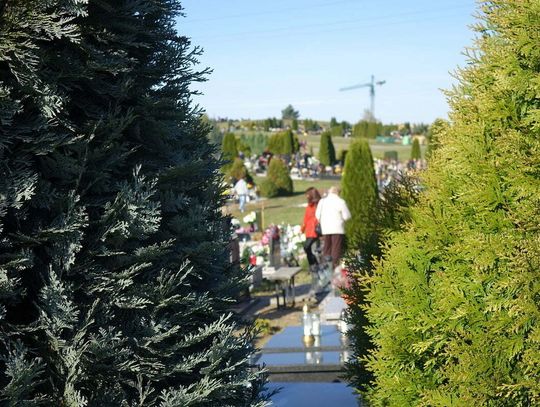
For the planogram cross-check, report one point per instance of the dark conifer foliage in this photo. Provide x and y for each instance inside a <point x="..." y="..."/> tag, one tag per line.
<point x="114" y="273"/>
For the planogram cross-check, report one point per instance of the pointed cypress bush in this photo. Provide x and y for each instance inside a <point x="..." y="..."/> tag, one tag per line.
<point x="435" y="131"/>
<point x="416" y="153"/>
<point x="114" y="272"/>
<point x="454" y="304"/>
<point x="229" y="149"/>
<point x="327" y="152"/>
<point x="359" y="187"/>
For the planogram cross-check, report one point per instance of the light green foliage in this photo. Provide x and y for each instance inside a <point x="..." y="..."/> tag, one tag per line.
<point x="393" y="212"/>
<point x="435" y="133"/>
<point x="360" y="192"/>
<point x="256" y="142"/>
<point x="278" y="182"/>
<point x="238" y="169"/>
<point x="275" y="145"/>
<point x="337" y="131"/>
<point x="327" y="151"/>
<point x="453" y="305"/>
<point x="284" y="143"/>
<point x="229" y="149"/>
<point x="367" y="129"/>
<point x="416" y="153"/>
<point x="343" y="156"/>
<point x="311" y="125"/>
<point x="294" y="124"/>
<point x="115" y="280"/>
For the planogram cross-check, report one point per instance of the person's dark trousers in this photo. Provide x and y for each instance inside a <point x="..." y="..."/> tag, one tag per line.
<point x="333" y="247"/>
<point x="308" y="248"/>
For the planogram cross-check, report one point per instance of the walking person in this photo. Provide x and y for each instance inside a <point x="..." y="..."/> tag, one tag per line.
<point x="241" y="190"/>
<point x="309" y="227"/>
<point x="332" y="213"/>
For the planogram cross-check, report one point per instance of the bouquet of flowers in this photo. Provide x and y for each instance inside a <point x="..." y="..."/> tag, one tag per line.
<point x="292" y="240"/>
<point x="250" y="217"/>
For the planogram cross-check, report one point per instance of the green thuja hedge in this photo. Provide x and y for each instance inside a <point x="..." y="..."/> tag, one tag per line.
<point x="392" y="214"/>
<point x="359" y="187"/>
<point x="416" y="153"/>
<point x="229" y="149"/>
<point x="454" y="304"/>
<point x="436" y="130"/>
<point x="327" y="152"/>
<point x="283" y="143"/>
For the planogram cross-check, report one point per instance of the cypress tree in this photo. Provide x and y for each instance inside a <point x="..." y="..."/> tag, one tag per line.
<point x="229" y="149"/>
<point x="327" y="152"/>
<point x="434" y="133"/>
<point x="114" y="271"/>
<point x="275" y="143"/>
<point x="416" y="153"/>
<point x="359" y="187"/>
<point x="454" y="304"/>
<point x="287" y="142"/>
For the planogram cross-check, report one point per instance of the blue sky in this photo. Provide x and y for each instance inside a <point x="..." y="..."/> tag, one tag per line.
<point x="267" y="54"/>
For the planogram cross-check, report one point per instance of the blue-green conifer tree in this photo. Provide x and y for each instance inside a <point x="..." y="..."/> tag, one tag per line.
<point x="114" y="273"/>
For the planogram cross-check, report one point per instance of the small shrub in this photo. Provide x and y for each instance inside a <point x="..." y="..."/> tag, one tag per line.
<point x="416" y="153"/>
<point x="278" y="182"/>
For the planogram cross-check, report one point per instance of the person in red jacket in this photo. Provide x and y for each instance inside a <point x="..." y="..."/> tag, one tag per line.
<point x="308" y="227"/>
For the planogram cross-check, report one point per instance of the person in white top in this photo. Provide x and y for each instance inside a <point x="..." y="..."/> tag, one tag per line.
<point x="241" y="190"/>
<point x="332" y="213"/>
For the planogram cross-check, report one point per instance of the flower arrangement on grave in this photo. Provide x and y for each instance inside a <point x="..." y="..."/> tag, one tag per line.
<point x="251" y="218"/>
<point x="292" y="240"/>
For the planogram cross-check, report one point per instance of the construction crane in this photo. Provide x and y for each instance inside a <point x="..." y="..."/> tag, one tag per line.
<point x="371" y="87"/>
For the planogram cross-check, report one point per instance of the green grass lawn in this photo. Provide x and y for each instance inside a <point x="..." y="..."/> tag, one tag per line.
<point x="283" y="209"/>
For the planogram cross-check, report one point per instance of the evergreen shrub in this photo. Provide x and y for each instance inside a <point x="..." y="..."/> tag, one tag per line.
<point x="416" y="153"/>
<point x="229" y="149"/>
<point x="359" y="190"/>
<point x="453" y="305"/>
<point x="278" y="182"/>
<point x="115" y="278"/>
<point x="327" y="152"/>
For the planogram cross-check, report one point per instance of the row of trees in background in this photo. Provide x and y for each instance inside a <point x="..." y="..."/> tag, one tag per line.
<point x="449" y="314"/>
<point x="369" y="129"/>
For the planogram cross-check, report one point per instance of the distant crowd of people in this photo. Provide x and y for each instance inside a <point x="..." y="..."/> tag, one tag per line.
<point x="388" y="170"/>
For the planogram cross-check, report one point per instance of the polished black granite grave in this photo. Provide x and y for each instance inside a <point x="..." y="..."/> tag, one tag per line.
<point x="289" y="357"/>
<point x="313" y="395"/>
